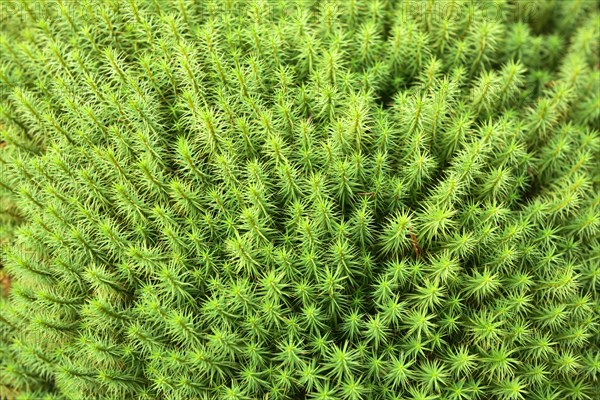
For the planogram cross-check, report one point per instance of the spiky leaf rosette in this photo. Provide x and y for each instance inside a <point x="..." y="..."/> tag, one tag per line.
<point x="286" y="200"/>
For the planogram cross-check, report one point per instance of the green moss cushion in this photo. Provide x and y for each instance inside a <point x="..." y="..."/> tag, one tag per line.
<point x="301" y="200"/>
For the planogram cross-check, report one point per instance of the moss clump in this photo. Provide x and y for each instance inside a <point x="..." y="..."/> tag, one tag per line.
<point x="320" y="200"/>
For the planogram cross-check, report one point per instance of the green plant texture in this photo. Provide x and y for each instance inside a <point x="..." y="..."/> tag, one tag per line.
<point x="300" y="200"/>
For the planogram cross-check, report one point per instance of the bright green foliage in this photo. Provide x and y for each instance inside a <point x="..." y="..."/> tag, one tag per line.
<point x="301" y="200"/>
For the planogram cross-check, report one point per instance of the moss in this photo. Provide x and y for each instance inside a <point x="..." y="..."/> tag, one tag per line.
<point x="321" y="200"/>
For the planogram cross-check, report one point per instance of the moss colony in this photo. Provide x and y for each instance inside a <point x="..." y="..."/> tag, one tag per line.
<point x="300" y="200"/>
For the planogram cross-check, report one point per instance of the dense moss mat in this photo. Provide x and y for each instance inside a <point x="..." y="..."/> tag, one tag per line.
<point x="289" y="200"/>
